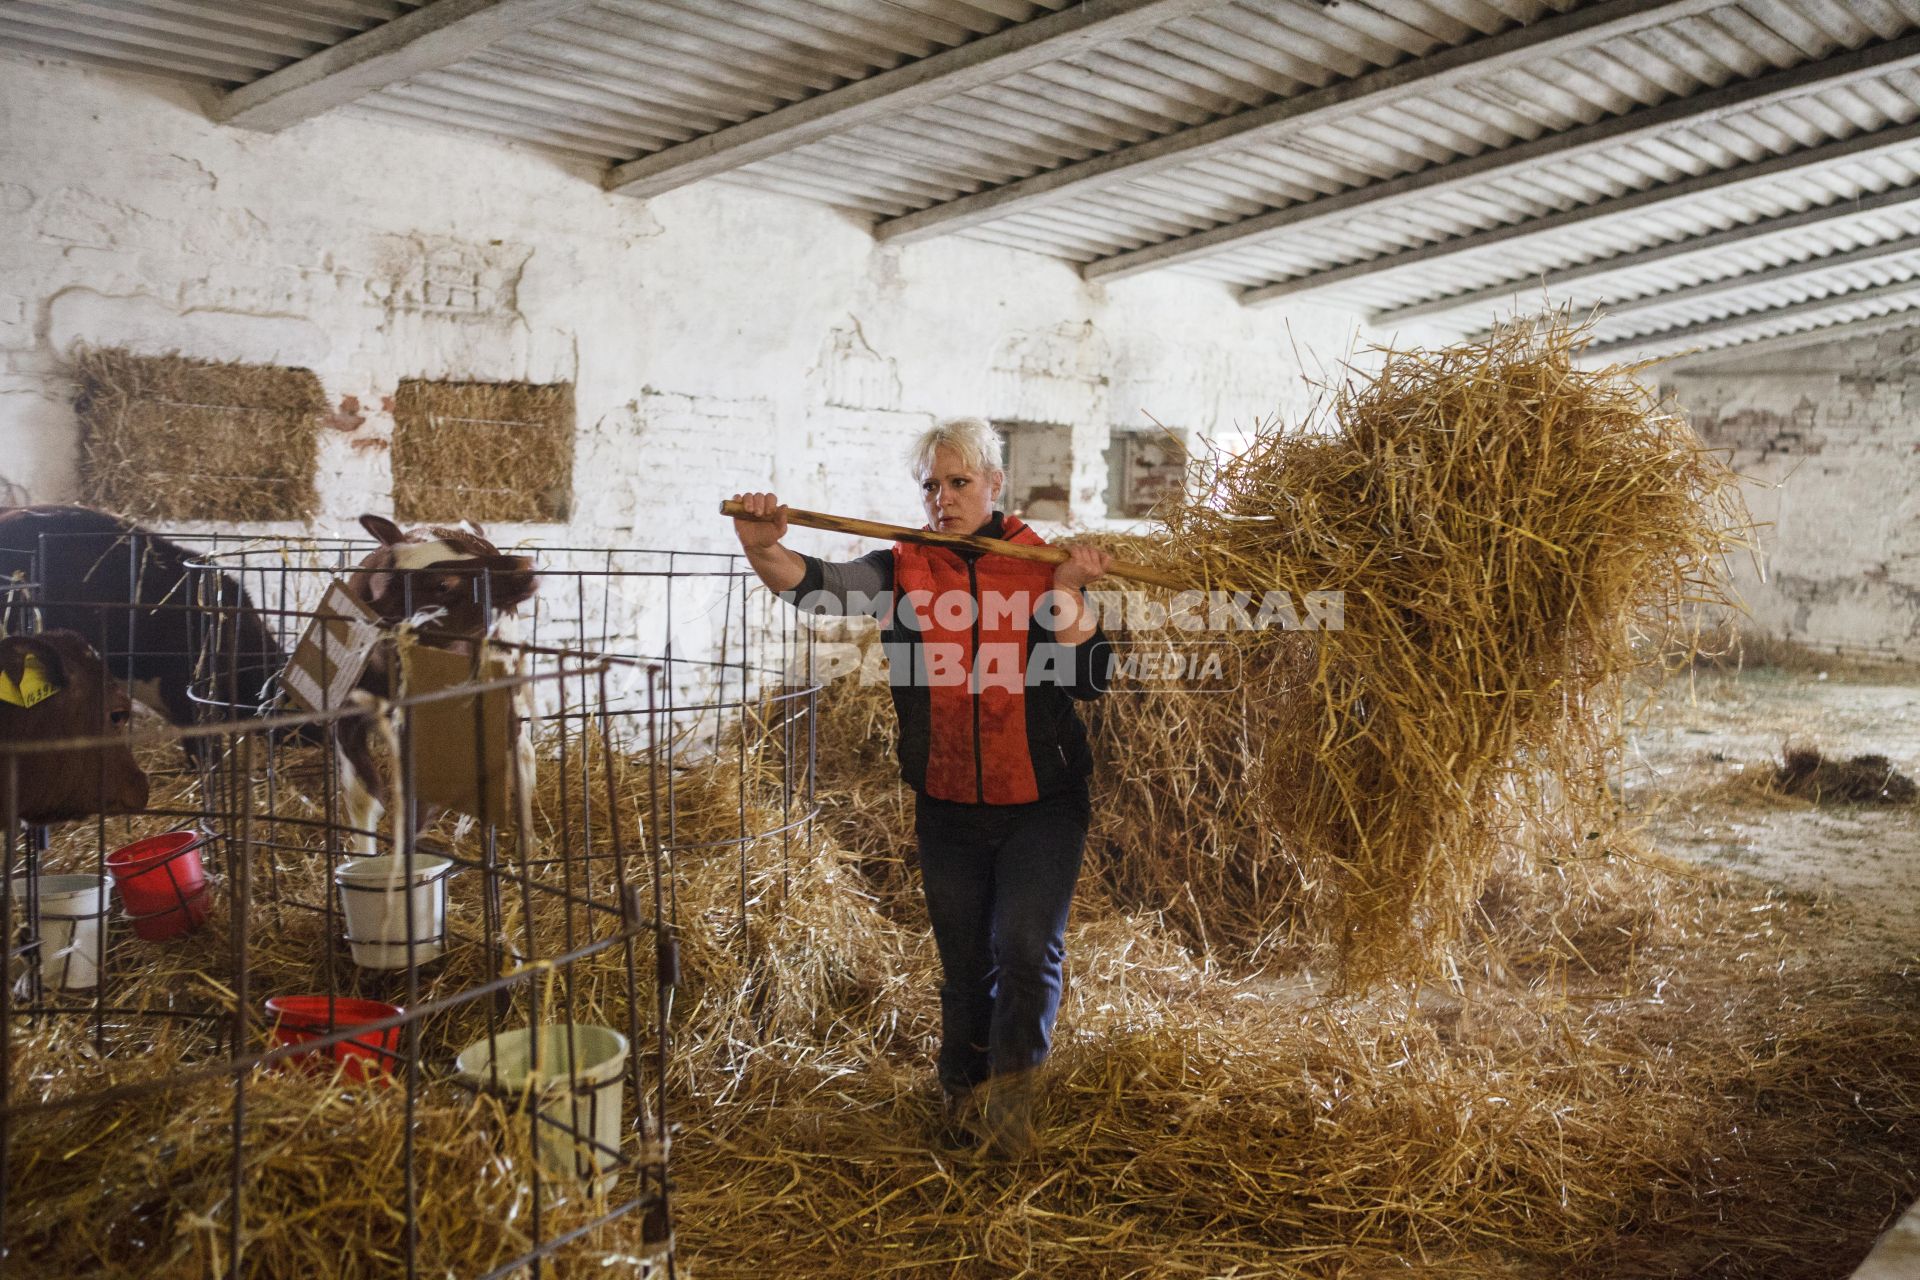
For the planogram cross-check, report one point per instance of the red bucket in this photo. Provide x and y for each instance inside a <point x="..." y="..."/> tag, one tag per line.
<point x="162" y="884"/>
<point x="298" y="1019"/>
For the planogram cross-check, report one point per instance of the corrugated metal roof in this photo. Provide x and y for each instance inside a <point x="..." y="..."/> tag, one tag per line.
<point x="1900" y="299"/>
<point x="621" y="78"/>
<point x="1422" y="159"/>
<point x="1569" y="175"/>
<point x="1197" y="69"/>
<point x="1875" y="239"/>
<point x="1524" y="259"/>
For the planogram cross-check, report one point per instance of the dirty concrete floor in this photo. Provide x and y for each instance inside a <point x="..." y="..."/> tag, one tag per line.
<point x="1703" y="742"/>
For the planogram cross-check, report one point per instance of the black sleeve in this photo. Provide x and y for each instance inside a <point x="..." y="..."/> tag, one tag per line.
<point x="845" y="586"/>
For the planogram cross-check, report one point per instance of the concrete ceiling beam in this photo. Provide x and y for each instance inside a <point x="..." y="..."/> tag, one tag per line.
<point x="423" y="40"/>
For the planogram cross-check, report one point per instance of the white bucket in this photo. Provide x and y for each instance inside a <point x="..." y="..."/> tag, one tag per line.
<point x="373" y="896"/>
<point x="73" y="931"/>
<point x="578" y="1088"/>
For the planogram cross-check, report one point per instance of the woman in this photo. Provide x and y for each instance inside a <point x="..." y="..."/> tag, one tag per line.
<point x="986" y="655"/>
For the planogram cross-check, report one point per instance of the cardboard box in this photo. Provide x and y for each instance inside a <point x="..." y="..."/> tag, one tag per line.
<point x="332" y="652"/>
<point x="463" y="746"/>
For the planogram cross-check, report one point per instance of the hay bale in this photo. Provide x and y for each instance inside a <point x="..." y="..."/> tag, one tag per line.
<point x="169" y="438"/>
<point x="482" y="451"/>
<point x="1868" y="779"/>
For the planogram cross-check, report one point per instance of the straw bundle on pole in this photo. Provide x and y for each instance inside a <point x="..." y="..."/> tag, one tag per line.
<point x="1503" y="525"/>
<point x="1504" y="529"/>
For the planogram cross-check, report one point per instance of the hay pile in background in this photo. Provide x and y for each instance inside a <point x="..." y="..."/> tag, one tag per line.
<point x="1741" y="644"/>
<point x="482" y="451"/>
<point x="864" y="806"/>
<point x="168" y="438"/>
<point x="1503" y="525"/>
<point x="1181" y="826"/>
<point x="1865" y="779"/>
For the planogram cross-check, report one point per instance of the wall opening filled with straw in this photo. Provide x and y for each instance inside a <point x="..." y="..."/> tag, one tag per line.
<point x="483" y="451"/>
<point x="171" y="438"/>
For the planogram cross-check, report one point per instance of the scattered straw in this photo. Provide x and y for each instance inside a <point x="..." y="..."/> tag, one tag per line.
<point x="1868" y="779"/>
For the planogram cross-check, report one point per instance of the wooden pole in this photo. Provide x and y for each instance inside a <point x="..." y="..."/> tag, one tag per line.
<point x="954" y="542"/>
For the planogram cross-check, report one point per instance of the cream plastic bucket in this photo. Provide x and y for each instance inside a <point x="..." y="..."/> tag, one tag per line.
<point x="73" y="928"/>
<point x="578" y="1089"/>
<point x="373" y="897"/>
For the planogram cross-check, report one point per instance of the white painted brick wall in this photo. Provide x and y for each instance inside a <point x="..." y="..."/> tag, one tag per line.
<point x="1828" y="438"/>
<point x="718" y="338"/>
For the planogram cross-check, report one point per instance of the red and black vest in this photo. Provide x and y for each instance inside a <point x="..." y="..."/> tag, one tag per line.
<point x="984" y="696"/>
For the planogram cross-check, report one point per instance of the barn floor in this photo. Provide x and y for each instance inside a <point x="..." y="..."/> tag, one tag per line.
<point x="1705" y="1066"/>
<point x="1704" y="743"/>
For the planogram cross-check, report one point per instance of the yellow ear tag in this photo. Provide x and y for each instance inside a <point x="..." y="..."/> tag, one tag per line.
<point x="34" y="687"/>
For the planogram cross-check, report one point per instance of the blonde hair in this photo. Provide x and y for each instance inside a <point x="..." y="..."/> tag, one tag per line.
<point x="977" y="443"/>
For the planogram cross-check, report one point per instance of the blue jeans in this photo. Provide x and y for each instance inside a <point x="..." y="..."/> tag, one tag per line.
<point x="999" y="880"/>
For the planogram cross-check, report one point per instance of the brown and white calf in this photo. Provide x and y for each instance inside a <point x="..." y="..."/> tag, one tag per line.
<point x="54" y="686"/>
<point x="456" y="589"/>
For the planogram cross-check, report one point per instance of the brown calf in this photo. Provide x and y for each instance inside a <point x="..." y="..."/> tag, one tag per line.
<point x="457" y="588"/>
<point x="53" y="686"/>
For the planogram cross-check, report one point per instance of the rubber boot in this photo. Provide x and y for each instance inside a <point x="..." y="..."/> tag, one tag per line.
<point x="1009" y="1114"/>
<point x="958" y="1107"/>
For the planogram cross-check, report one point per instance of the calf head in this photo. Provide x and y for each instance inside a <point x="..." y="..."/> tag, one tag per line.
<point x="54" y="686"/>
<point x="454" y="570"/>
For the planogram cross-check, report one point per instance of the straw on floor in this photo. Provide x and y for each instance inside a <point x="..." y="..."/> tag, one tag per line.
<point x="1656" y="1073"/>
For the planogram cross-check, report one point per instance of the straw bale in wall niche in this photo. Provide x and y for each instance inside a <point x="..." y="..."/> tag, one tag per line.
<point x="170" y="438"/>
<point x="483" y="451"/>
